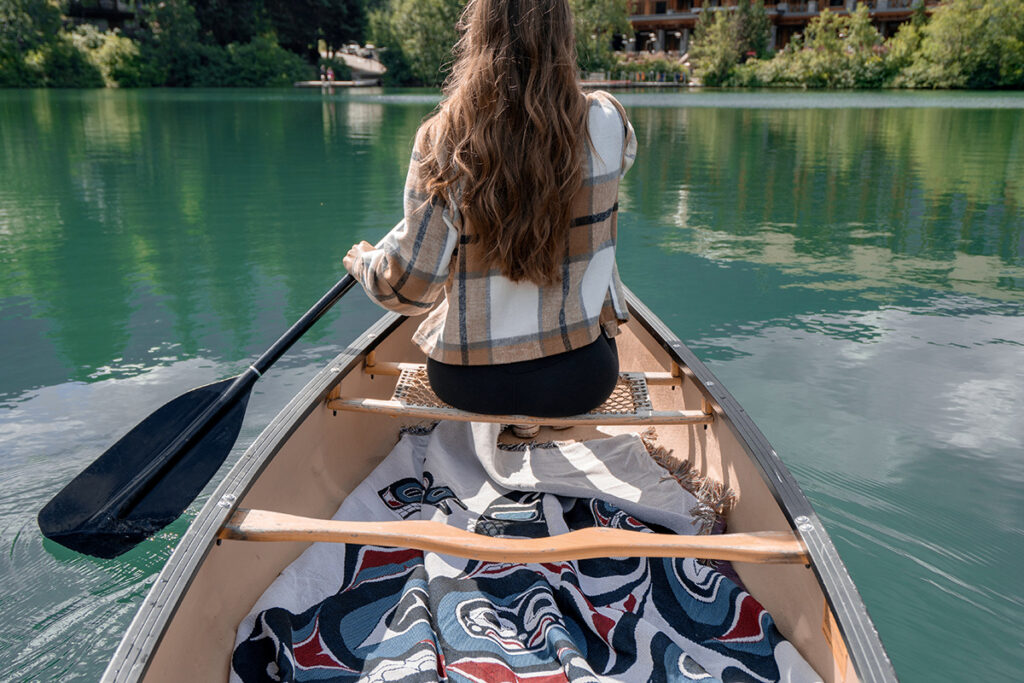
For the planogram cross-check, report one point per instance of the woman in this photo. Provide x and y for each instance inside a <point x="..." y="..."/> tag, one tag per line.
<point x="510" y="222"/>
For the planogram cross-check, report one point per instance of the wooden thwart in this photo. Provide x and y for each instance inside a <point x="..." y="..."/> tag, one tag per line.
<point x="766" y="547"/>
<point x="629" y="403"/>
<point x="393" y="407"/>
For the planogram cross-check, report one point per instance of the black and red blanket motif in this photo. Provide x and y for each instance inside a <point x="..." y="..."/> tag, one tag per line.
<point x="403" y="615"/>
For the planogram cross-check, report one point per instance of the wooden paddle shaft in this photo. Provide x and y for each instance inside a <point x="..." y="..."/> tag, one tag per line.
<point x="760" y="547"/>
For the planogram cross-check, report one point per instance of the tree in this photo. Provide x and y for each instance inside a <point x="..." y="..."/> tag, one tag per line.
<point x="230" y="21"/>
<point x="724" y="39"/>
<point x="971" y="44"/>
<point x="753" y="29"/>
<point x="596" y="23"/>
<point x="903" y="48"/>
<point x="300" y="24"/>
<point x="67" y="66"/>
<point x="27" y="25"/>
<point x="418" y="36"/>
<point x="172" y="43"/>
<point x="704" y="21"/>
<point x="717" y="52"/>
<point x="835" y="51"/>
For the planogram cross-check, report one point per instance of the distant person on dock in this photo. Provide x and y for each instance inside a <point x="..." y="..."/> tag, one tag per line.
<point x="511" y="205"/>
<point x="323" y="74"/>
<point x="330" y="74"/>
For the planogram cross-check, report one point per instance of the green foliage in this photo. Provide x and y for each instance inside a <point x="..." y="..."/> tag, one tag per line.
<point x="258" y="63"/>
<point x="398" y="70"/>
<point x="222" y="22"/>
<point x="300" y="24"/>
<point x="172" y="43"/>
<point x="64" y="65"/>
<point x="596" y="22"/>
<point x="717" y="53"/>
<point x="114" y="55"/>
<point x="263" y="63"/>
<point x="16" y="72"/>
<point x="120" y="60"/>
<point x="970" y="44"/>
<point x="704" y="21"/>
<point x="27" y="25"/>
<point x="174" y="54"/>
<point x="418" y="36"/>
<point x="180" y="43"/>
<point x="380" y="32"/>
<point x="904" y="46"/>
<point x="836" y="51"/>
<point x="966" y="44"/>
<point x="400" y="28"/>
<point x="753" y="30"/>
<point x="725" y="38"/>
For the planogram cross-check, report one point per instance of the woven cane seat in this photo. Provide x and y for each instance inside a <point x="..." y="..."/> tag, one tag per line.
<point x="630" y="396"/>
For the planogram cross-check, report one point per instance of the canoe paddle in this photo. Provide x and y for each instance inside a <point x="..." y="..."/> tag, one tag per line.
<point x="146" y="480"/>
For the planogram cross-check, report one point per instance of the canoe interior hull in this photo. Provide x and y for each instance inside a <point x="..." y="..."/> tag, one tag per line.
<point x="309" y="459"/>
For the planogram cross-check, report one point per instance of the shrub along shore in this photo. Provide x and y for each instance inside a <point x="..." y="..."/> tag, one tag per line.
<point x="255" y="43"/>
<point x="962" y="44"/>
<point x="261" y="43"/>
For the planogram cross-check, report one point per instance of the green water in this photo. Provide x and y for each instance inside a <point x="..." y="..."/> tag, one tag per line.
<point x="850" y="265"/>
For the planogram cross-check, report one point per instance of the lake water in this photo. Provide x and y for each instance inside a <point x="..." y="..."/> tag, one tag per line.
<point x="850" y="265"/>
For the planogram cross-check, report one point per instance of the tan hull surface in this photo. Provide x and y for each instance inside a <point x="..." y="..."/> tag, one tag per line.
<point x="328" y="455"/>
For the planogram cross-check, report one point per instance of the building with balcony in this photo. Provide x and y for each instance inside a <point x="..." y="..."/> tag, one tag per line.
<point x="667" y="25"/>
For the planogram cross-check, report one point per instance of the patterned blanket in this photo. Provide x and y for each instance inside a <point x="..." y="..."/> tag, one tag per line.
<point x="350" y="612"/>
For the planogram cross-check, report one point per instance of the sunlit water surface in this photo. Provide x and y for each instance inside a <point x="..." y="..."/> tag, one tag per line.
<point x="850" y="265"/>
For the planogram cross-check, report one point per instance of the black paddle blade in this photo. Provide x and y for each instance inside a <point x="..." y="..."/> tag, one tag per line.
<point x="110" y="508"/>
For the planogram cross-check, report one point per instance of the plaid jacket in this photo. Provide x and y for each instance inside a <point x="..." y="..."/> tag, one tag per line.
<point x="428" y="263"/>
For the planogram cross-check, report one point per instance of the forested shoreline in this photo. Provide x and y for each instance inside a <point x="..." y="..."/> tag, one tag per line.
<point x="976" y="44"/>
<point x="175" y="43"/>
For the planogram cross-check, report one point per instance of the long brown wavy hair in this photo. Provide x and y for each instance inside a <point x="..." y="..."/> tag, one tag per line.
<point x="507" y="140"/>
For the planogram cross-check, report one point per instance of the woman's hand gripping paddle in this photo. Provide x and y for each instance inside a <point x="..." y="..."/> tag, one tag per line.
<point x="146" y="480"/>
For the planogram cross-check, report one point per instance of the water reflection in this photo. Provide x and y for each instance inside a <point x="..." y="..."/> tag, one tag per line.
<point x="111" y="200"/>
<point x="352" y="119"/>
<point x="854" y="276"/>
<point x="872" y="200"/>
<point x="364" y="120"/>
<point x="904" y="427"/>
<point x="64" y="613"/>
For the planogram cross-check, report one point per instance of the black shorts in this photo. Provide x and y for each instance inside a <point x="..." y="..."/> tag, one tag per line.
<point x="565" y="384"/>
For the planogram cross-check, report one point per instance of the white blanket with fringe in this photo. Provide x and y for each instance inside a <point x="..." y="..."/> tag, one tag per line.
<point x="351" y="612"/>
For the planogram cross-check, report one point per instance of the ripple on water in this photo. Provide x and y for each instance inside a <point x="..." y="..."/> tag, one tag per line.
<point x="65" y="626"/>
<point x="910" y="452"/>
<point x="64" y="612"/>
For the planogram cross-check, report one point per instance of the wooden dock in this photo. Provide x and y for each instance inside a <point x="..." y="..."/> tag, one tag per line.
<point x="362" y="83"/>
<point x="603" y="85"/>
<point x="608" y="85"/>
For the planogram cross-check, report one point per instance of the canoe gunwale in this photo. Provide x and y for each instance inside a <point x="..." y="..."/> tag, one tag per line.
<point x="867" y="653"/>
<point x="133" y="654"/>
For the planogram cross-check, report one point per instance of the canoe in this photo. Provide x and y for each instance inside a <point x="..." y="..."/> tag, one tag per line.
<point x="345" y="421"/>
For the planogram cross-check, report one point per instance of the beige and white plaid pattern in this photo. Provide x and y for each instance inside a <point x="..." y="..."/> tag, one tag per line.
<point x="430" y="263"/>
